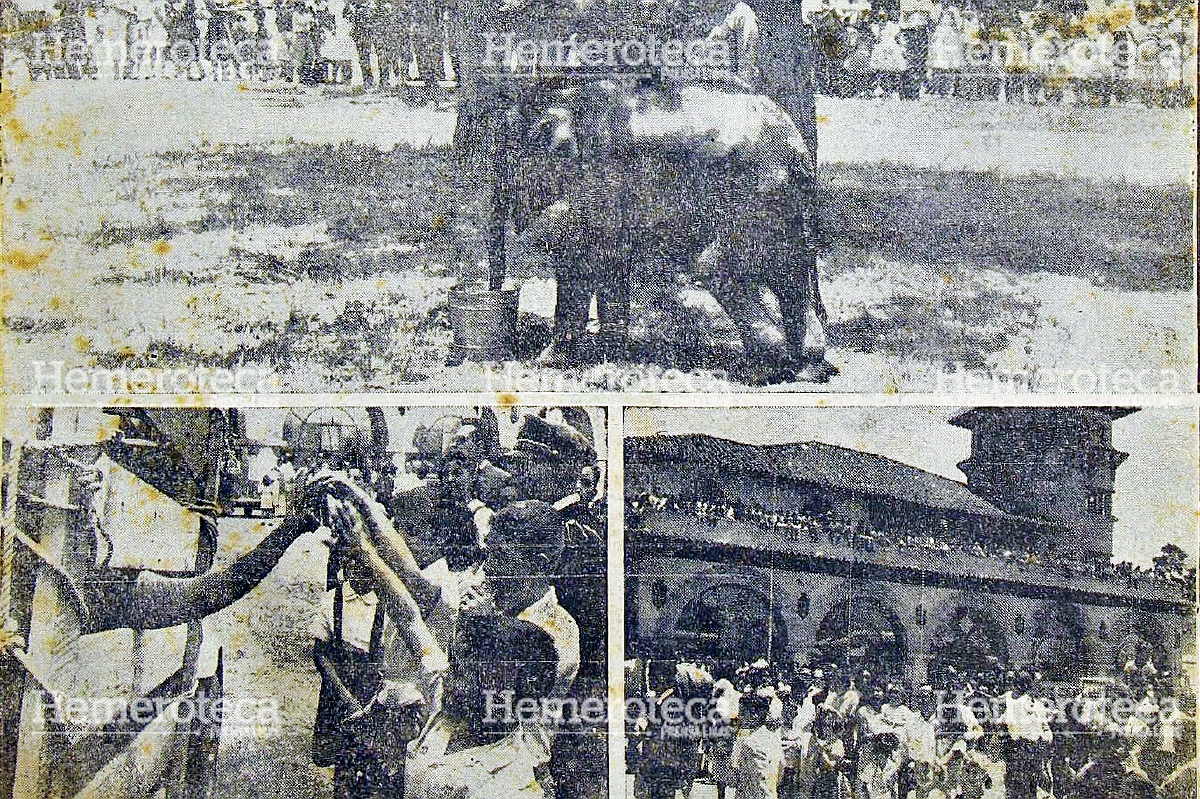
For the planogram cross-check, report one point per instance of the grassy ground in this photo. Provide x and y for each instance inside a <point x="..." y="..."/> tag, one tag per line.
<point x="200" y="224"/>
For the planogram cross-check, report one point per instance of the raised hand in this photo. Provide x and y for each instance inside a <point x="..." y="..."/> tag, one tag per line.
<point x="303" y="504"/>
<point x="346" y="523"/>
<point x="372" y="513"/>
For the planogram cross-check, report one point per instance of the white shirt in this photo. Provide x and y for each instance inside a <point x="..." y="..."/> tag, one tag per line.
<point x="553" y="619"/>
<point x="757" y="764"/>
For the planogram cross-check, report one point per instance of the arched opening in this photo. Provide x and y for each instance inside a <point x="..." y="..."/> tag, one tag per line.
<point x="1141" y="640"/>
<point x="967" y="641"/>
<point x="862" y="634"/>
<point x="337" y="437"/>
<point x="730" y="623"/>
<point x="1059" y="647"/>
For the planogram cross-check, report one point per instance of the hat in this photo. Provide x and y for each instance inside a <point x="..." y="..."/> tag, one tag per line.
<point x="533" y="525"/>
<point x="549" y="441"/>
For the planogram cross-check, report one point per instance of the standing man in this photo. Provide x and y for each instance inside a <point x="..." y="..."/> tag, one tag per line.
<point x="776" y="47"/>
<point x="758" y="751"/>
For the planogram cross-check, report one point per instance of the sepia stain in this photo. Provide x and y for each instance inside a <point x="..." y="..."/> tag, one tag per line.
<point x="20" y="259"/>
<point x="506" y="400"/>
<point x="161" y="247"/>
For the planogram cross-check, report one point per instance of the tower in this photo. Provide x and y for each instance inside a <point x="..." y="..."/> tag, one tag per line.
<point x="1054" y="464"/>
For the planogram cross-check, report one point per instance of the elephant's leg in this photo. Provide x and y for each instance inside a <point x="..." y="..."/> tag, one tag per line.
<point x="573" y="272"/>
<point x="612" y="305"/>
<point x="766" y="357"/>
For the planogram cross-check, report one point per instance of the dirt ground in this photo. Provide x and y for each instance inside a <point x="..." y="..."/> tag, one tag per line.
<point x="267" y="646"/>
<point x="183" y="224"/>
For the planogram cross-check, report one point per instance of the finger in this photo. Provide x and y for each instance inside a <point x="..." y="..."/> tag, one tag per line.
<point x="332" y="507"/>
<point x="345" y="517"/>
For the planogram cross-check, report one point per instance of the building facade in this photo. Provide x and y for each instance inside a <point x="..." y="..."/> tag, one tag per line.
<point x="809" y="554"/>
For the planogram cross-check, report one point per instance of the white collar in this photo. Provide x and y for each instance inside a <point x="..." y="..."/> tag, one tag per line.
<point x="542" y="609"/>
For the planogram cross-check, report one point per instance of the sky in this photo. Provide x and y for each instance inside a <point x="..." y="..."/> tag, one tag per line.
<point x="1155" y="501"/>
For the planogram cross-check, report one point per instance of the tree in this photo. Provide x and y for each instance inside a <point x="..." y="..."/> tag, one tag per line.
<point x="1173" y="561"/>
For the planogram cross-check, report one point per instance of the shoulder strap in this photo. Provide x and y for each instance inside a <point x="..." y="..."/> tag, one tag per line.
<point x="377" y="630"/>
<point x="338" y="610"/>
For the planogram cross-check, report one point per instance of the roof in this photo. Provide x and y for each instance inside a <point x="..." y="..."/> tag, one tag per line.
<point x="819" y="464"/>
<point x="970" y="418"/>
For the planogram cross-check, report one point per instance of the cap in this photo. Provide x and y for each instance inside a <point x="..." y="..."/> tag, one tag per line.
<point x="549" y="441"/>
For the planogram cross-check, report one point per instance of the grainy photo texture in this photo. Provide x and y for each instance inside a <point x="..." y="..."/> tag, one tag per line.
<point x="247" y="196"/>
<point x="818" y="604"/>
<point x="331" y="602"/>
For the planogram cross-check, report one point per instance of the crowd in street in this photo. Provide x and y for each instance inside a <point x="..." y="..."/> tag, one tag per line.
<point x="826" y="527"/>
<point x="828" y="733"/>
<point x="373" y="43"/>
<point x="1098" y="53"/>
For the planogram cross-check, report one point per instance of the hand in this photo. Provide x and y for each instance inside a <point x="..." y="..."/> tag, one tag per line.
<point x="346" y="525"/>
<point x="490" y="483"/>
<point x="303" y="504"/>
<point x="372" y="514"/>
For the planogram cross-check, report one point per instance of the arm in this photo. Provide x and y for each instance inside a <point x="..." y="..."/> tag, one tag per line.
<point x="388" y="543"/>
<point x="831" y="758"/>
<point x="398" y="602"/>
<point x="154" y="601"/>
<point x="403" y="609"/>
<point x="329" y="673"/>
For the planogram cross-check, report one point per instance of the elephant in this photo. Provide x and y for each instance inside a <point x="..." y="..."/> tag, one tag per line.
<point x="711" y="180"/>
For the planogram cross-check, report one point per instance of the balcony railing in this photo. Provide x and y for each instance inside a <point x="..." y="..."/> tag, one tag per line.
<point x="827" y="539"/>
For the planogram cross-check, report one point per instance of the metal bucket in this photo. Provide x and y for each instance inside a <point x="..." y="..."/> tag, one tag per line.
<point x="484" y="323"/>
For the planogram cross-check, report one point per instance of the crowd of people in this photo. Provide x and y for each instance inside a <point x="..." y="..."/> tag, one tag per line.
<point x="828" y="732"/>
<point x="483" y="580"/>
<point x="373" y="43"/>
<point x="827" y="527"/>
<point x="1098" y="53"/>
<point x="1094" y="53"/>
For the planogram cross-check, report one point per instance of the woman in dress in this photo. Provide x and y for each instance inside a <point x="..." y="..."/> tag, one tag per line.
<point x="946" y="59"/>
<point x="856" y="67"/>
<point x="337" y="49"/>
<point x="887" y="55"/>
